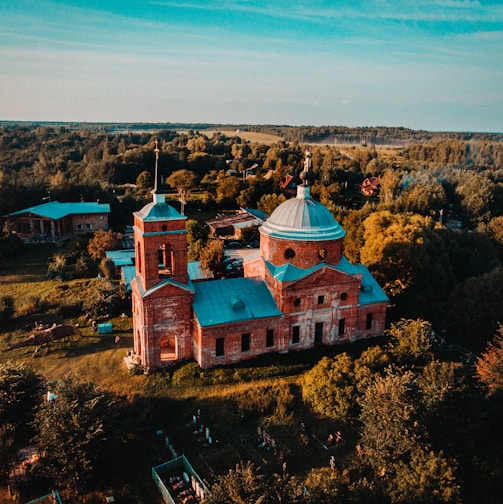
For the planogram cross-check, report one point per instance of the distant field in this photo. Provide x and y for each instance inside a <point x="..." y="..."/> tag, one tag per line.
<point x="251" y="136"/>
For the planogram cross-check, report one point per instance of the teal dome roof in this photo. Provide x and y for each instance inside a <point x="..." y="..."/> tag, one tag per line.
<point x="304" y="219"/>
<point x="158" y="212"/>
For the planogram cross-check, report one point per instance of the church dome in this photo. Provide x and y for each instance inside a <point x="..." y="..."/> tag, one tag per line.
<point x="303" y="219"/>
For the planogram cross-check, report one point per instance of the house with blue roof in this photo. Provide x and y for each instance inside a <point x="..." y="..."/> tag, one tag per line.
<point x="298" y="290"/>
<point x="55" y="221"/>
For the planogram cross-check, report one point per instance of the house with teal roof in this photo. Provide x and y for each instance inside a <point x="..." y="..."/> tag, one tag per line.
<point x="55" y="221"/>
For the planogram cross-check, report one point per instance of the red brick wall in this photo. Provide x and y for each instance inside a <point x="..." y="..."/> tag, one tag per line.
<point x="205" y="341"/>
<point x="171" y="233"/>
<point x="166" y="313"/>
<point x="97" y="222"/>
<point x="307" y="253"/>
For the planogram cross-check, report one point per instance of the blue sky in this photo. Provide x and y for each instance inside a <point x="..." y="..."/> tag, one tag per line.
<point x="435" y="65"/>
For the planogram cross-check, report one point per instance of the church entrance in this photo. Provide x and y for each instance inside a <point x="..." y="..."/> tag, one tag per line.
<point x="168" y="348"/>
<point x="318" y="333"/>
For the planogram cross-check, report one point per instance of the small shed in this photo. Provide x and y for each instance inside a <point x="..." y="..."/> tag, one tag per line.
<point x="105" y="328"/>
<point x="177" y="479"/>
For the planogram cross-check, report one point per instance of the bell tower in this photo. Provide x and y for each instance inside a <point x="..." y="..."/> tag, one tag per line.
<point x="161" y="292"/>
<point x="160" y="238"/>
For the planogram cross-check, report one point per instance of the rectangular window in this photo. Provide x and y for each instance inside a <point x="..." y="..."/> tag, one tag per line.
<point x="245" y="343"/>
<point x="368" y="324"/>
<point x="269" y="338"/>
<point x="219" y="347"/>
<point x="295" y="334"/>
<point x="321" y="299"/>
<point x="342" y="328"/>
<point x="89" y="226"/>
<point x="79" y="227"/>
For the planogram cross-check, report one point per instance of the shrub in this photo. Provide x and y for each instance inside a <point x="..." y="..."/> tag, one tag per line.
<point x="6" y="308"/>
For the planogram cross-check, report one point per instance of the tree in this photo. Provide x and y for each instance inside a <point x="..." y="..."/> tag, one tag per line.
<point x="410" y="340"/>
<point x="390" y="186"/>
<point x="6" y="308"/>
<point x="212" y="258"/>
<point x="427" y="478"/>
<point x="388" y="416"/>
<point x="103" y="241"/>
<point x="489" y="365"/>
<point x="21" y="391"/>
<point x="144" y="181"/>
<point x="228" y="190"/>
<point x="324" y="486"/>
<point x="241" y="485"/>
<point x="185" y="180"/>
<point x="436" y="382"/>
<point x="101" y="298"/>
<point x="197" y="236"/>
<point x="471" y="315"/>
<point x="70" y="432"/>
<point x="250" y="234"/>
<point x="269" y="202"/>
<point x="406" y="249"/>
<point x="329" y="387"/>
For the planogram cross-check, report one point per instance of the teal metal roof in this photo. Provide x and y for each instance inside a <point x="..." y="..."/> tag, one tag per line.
<point x="195" y="272"/>
<point x="289" y="273"/>
<point x="370" y="290"/>
<point x="128" y="273"/>
<point x="121" y="257"/>
<point x="234" y="300"/>
<point x="158" y="211"/>
<point x="56" y="210"/>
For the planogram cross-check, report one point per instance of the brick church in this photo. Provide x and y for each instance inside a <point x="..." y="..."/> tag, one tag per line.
<point x="299" y="291"/>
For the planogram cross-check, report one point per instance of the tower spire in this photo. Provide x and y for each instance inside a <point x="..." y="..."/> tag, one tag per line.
<point x="158" y="193"/>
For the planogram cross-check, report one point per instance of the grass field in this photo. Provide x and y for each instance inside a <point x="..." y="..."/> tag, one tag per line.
<point x="249" y="136"/>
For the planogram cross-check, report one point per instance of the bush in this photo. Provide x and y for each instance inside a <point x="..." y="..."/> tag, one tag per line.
<point x="31" y="306"/>
<point x="6" y="308"/>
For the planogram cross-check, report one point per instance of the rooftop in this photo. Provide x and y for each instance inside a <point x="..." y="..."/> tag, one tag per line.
<point x="233" y="300"/>
<point x="56" y="210"/>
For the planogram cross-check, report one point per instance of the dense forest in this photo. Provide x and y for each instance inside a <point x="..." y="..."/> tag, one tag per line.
<point x="432" y="237"/>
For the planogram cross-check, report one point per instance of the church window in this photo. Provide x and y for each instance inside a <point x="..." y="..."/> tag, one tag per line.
<point x="295" y="334"/>
<point x="297" y="302"/>
<point x="138" y="256"/>
<point x="322" y="254"/>
<point x="368" y="324"/>
<point x="321" y="299"/>
<point x="289" y="253"/>
<point x="245" y="343"/>
<point x="344" y="296"/>
<point x="342" y="324"/>
<point x="219" y="347"/>
<point x="164" y="227"/>
<point x="269" y="338"/>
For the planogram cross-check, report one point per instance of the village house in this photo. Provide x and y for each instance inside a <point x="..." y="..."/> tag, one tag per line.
<point x="371" y="186"/>
<point x="55" y="221"/>
<point x="298" y="289"/>
<point x="230" y="226"/>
